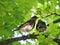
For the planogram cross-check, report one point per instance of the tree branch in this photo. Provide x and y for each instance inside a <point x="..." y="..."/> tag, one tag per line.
<point x="31" y="36"/>
<point x="57" y="41"/>
<point x="56" y="21"/>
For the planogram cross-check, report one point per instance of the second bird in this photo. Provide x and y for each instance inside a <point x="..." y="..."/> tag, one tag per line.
<point x="41" y="26"/>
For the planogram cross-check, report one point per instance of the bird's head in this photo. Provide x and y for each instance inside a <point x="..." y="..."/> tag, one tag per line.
<point x="34" y="17"/>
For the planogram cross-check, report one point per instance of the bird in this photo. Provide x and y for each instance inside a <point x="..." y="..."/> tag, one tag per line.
<point x="28" y="25"/>
<point x="41" y="26"/>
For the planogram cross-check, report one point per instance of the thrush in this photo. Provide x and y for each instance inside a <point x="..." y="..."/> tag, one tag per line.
<point x="27" y="26"/>
<point x="41" y="26"/>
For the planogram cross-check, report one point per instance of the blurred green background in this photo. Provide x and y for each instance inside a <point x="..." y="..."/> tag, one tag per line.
<point x="16" y="12"/>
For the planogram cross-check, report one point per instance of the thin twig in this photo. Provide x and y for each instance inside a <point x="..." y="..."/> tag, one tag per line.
<point x="52" y="13"/>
